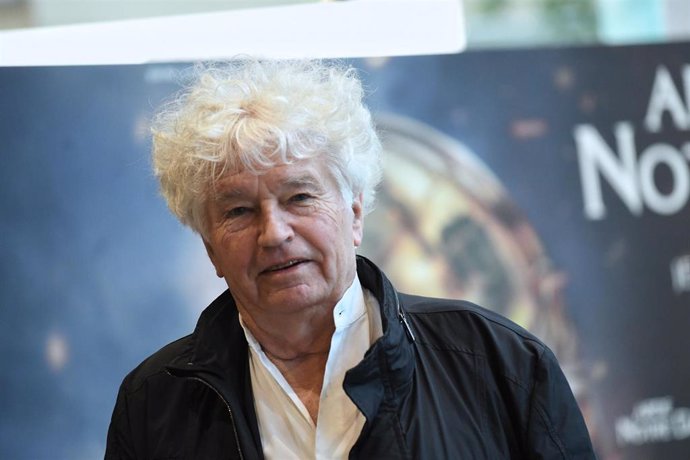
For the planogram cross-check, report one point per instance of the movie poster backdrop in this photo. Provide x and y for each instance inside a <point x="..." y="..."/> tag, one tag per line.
<point x="549" y="185"/>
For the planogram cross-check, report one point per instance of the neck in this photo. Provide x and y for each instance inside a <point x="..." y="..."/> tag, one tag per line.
<point x="291" y="337"/>
<point x="298" y="343"/>
<point x="298" y="347"/>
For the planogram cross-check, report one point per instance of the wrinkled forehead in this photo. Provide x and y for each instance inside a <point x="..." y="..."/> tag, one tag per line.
<point x="308" y="174"/>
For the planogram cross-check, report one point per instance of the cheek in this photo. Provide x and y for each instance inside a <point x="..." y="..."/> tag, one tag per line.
<point x="235" y="251"/>
<point x="351" y="229"/>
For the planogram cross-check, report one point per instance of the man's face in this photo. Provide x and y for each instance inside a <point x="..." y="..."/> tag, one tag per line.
<point x="285" y="240"/>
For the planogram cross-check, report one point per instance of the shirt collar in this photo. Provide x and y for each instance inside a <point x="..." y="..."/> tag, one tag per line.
<point x="350" y="307"/>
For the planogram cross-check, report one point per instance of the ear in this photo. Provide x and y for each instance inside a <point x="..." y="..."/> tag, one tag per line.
<point x="357" y="219"/>
<point x="212" y="256"/>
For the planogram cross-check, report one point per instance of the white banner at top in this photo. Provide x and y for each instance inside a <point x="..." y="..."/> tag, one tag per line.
<point x="318" y="30"/>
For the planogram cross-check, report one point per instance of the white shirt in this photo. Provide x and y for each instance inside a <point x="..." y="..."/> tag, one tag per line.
<point x="287" y="431"/>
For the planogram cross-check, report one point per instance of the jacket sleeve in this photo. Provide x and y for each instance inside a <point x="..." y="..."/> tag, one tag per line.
<point x="119" y="441"/>
<point x="556" y="428"/>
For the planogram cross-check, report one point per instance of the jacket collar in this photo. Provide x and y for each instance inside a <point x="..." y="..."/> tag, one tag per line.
<point x="387" y="368"/>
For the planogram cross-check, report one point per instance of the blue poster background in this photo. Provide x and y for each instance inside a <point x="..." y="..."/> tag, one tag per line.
<point x="97" y="274"/>
<point x="619" y="291"/>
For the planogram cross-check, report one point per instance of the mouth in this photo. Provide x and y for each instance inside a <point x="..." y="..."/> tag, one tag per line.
<point x="284" y="265"/>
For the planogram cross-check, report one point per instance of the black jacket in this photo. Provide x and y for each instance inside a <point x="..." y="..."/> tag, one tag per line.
<point x="448" y="380"/>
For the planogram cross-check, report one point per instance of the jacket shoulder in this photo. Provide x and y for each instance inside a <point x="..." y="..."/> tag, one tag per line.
<point x="178" y="351"/>
<point x="466" y="314"/>
<point x="462" y="326"/>
<point x="156" y="363"/>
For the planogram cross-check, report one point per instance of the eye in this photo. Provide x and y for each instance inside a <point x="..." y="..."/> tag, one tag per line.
<point x="239" y="211"/>
<point x="300" y="197"/>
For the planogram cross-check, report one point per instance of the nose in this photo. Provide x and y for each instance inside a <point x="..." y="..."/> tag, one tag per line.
<point x="275" y="227"/>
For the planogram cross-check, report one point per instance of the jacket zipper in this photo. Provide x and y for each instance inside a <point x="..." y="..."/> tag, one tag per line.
<point x="227" y="406"/>
<point x="402" y="318"/>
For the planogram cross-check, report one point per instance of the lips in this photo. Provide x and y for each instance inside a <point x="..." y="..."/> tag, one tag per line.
<point x="283" y="265"/>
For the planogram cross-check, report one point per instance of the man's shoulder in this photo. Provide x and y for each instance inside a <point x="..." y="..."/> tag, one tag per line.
<point x="468" y="326"/>
<point x="156" y="364"/>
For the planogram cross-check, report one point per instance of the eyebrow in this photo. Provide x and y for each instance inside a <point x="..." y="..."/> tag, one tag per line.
<point x="305" y="180"/>
<point x="227" y="195"/>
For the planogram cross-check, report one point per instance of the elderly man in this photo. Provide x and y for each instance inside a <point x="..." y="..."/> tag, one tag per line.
<point x="311" y="352"/>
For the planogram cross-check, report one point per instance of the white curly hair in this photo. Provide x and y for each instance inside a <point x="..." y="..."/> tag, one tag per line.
<point x="255" y="114"/>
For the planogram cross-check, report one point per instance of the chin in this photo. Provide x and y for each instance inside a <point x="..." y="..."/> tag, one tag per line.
<point x="304" y="299"/>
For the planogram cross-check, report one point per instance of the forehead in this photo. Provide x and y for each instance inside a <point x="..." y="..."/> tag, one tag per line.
<point x="308" y="173"/>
